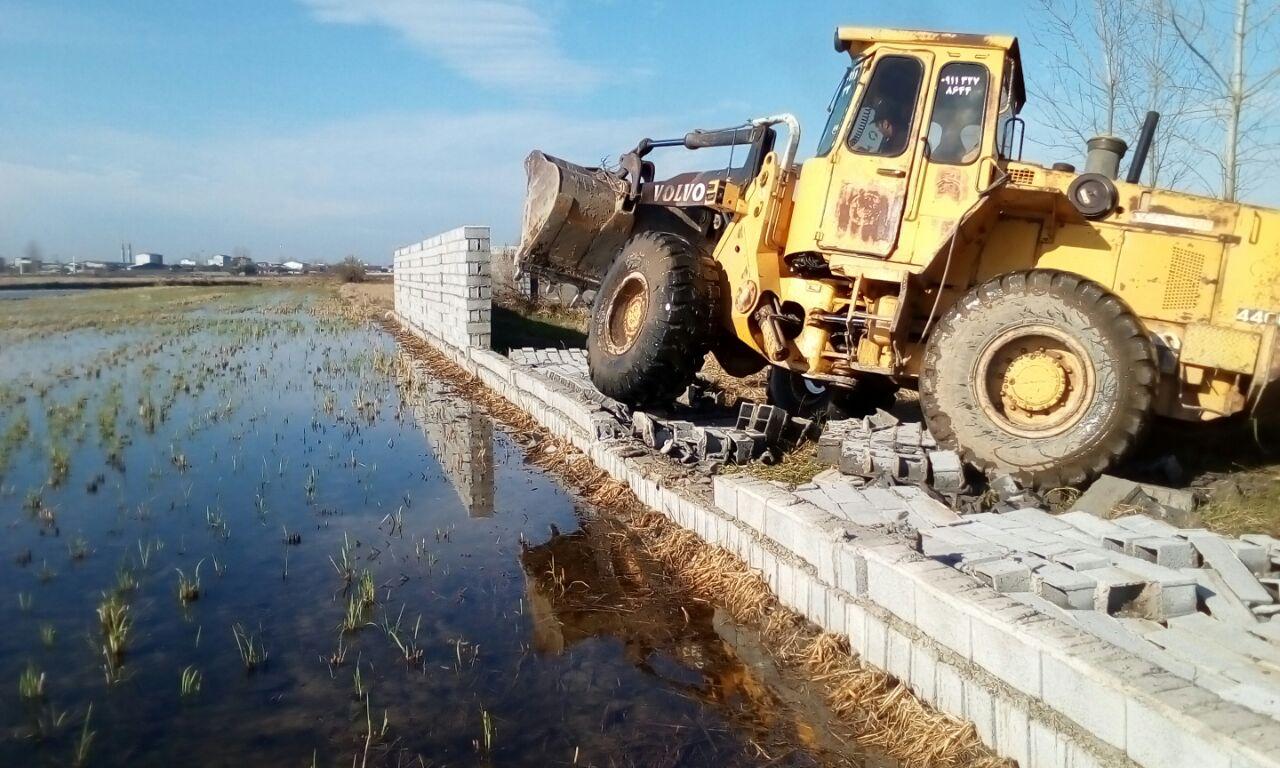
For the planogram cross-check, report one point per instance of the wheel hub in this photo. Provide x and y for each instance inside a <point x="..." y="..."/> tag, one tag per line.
<point x="626" y="313"/>
<point x="1035" y="382"/>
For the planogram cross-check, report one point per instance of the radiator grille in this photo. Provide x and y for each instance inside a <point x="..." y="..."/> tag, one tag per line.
<point x="1182" y="289"/>
<point x="1022" y="176"/>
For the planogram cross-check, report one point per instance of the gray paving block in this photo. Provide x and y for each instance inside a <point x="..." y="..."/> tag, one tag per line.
<point x="1164" y="550"/>
<point x="1064" y="587"/>
<point x="1255" y="557"/>
<point x="1147" y="525"/>
<point x="1037" y="518"/>
<point x="1230" y="637"/>
<point x="1081" y="560"/>
<point x="1222" y="603"/>
<point x="1003" y="575"/>
<point x="1239" y="579"/>
<point x="924" y="508"/>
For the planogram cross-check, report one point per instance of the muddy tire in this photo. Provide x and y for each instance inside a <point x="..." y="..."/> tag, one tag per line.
<point x="810" y="399"/>
<point x="653" y="319"/>
<point x="1042" y="375"/>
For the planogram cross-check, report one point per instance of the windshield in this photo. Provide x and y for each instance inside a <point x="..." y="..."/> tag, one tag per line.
<point x="838" y="108"/>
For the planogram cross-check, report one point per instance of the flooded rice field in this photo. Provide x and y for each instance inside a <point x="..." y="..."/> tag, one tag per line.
<point x="234" y="534"/>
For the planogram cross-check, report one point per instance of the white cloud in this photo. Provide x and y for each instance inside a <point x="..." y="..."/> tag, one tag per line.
<point x="499" y="43"/>
<point x="364" y="185"/>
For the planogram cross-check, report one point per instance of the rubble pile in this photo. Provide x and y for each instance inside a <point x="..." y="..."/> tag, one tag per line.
<point x="759" y="432"/>
<point x="881" y="446"/>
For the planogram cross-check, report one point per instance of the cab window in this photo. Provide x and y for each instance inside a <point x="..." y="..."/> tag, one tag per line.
<point x="883" y="123"/>
<point x="837" y="109"/>
<point x="955" y="129"/>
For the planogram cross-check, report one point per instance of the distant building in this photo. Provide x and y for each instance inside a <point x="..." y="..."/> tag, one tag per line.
<point x="220" y="260"/>
<point x="188" y="263"/>
<point x="98" y="266"/>
<point x="26" y="266"/>
<point x="148" y="260"/>
<point x="294" y="266"/>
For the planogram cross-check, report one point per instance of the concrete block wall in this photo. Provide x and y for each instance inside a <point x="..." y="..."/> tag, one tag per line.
<point x="443" y="286"/>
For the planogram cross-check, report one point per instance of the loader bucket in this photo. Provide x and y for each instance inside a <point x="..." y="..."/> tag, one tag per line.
<point x="575" y="220"/>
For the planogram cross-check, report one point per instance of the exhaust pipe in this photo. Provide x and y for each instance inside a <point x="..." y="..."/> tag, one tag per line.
<point x="1144" y="147"/>
<point x="1104" y="155"/>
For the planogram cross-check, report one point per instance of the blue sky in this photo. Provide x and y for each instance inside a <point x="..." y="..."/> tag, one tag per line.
<point x="316" y="128"/>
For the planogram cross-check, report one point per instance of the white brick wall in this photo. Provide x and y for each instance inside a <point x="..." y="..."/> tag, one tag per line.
<point x="443" y="286"/>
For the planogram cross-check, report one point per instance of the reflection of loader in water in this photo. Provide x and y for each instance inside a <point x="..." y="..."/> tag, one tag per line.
<point x="590" y="584"/>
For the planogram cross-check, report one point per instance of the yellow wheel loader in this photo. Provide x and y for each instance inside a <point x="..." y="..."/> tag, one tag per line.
<point x="1043" y="313"/>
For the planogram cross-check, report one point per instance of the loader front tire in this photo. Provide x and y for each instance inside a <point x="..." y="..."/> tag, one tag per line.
<point x="1042" y="375"/>
<point x="653" y="319"/>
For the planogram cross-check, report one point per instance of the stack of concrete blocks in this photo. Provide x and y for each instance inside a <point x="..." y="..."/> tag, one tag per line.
<point x="1188" y="601"/>
<point x="881" y="446"/>
<point x="442" y="287"/>
<point x="461" y="437"/>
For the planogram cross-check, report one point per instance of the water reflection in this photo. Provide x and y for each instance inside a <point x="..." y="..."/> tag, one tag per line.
<point x="461" y="437"/>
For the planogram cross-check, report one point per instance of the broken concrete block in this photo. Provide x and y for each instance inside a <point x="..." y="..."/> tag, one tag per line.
<point x="882" y="419"/>
<point x="645" y="427"/>
<point x="1005" y="486"/>
<point x="948" y="471"/>
<point x="1109" y="494"/>
<point x="795" y="432"/>
<point x="855" y="458"/>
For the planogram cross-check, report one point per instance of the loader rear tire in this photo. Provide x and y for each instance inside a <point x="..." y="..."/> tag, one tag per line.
<point x="1042" y="375"/>
<point x="653" y="319"/>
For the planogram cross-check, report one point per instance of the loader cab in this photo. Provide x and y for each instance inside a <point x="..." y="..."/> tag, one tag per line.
<point x="912" y="138"/>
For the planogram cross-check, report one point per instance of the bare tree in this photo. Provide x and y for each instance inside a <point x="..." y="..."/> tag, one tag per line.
<point x="1236" y="50"/>
<point x="1109" y="62"/>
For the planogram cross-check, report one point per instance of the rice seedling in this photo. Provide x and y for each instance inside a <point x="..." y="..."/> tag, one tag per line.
<point x="190" y="682"/>
<point x="338" y="657"/>
<point x="365" y="588"/>
<point x="354" y="618"/>
<point x="189" y="589"/>
<point x="59" y="465"/>
<point x="47" y="635"/>
<point x="24" y="601"/>
<point x="144" y="554"/>
<point x="78" y="548"/>
<point x="344" y="565"/>
<point x="357" y="681"/>
<point x="46" y="573"/>
<point x="291" y="539"/>
<point x="115" y="623"/>
<point x="24" y="558"/>
<point x="85" y="741"/>
<point x="126" y="580"/>
<point x="31" y="683"/>
<point x="486" y="732"/>
<point x="252" y="652"/>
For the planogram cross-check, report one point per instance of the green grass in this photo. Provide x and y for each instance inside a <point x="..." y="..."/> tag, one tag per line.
<point x="512" y="330"/>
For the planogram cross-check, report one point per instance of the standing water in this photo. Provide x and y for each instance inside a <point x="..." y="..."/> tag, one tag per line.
<point x="232" y="536"/>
